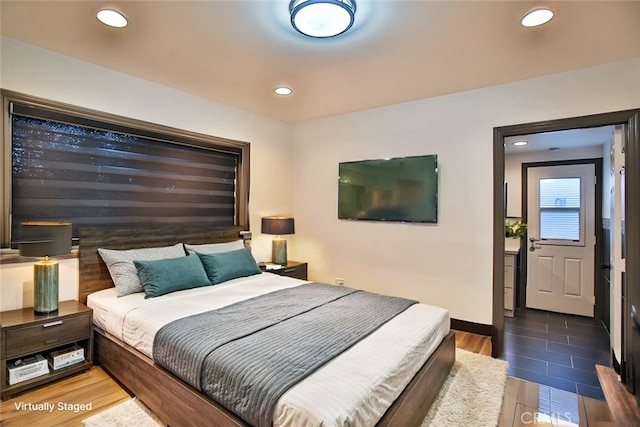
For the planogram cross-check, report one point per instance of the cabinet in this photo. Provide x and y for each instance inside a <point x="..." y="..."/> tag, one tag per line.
<point x="293" y="269"/>
<point x="510" y="276"/>
<point x="24" y="333"/>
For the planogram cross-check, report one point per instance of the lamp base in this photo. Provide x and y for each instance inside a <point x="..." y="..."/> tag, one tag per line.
<point x="45" y="291"/>
<point x="279" y="251"/>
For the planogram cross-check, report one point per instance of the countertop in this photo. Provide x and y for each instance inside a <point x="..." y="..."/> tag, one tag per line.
<point x="511" y="246"/>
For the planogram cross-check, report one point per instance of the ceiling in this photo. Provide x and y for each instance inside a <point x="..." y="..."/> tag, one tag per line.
<point x="560" y="140"/>
<point x="237" y="52"/>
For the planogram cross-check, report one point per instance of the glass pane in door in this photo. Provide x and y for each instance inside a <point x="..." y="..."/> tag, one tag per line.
<point x="559" y="203"/>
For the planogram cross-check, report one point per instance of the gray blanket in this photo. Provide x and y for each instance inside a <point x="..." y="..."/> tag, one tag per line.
<point x="247" y="355"/>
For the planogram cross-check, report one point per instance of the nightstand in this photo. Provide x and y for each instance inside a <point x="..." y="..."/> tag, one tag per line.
<point x="24" y="334"/>
<point x="297" y="270"/>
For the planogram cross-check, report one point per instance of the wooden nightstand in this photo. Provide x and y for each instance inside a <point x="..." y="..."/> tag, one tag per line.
<point x="24" y="333"/>
<point x="297" y="270"/>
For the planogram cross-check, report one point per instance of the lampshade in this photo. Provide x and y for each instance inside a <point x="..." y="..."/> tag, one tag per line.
<point x="322" y="18"/>
<point x="44" y="238"/>
<point x="278" y="225"/>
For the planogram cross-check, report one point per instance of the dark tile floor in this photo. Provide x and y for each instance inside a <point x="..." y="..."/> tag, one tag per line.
<point x="557" y="350"/>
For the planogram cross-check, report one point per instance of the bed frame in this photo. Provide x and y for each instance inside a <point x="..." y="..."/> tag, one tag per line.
<point x="177" y="403"/>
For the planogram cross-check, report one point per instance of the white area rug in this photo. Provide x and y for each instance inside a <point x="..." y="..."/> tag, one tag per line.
<point x="473" y="393"/>
<point x="471" y="396"/>
<point x="127" y="414"/>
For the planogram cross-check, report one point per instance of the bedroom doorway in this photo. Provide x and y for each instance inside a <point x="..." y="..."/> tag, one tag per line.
<point x="630" y="121"/>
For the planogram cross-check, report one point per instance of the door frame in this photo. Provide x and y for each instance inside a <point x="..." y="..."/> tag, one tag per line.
<point x="597" y="253"/>
<point x="630" y="118"/>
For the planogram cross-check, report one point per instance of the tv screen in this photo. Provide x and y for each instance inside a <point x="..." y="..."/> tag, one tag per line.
<point x="402" y="189"/>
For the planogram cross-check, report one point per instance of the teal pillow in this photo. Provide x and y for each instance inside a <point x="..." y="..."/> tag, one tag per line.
<point x="163" y="276"/>
<point x="225" y="266"/>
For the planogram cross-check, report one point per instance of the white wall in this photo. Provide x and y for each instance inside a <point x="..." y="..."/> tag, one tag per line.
<point x="447" y="264"/>
<point x="513" y="170"/>
<point x="34" y="71"/>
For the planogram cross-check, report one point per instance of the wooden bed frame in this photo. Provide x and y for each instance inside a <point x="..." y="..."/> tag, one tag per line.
<point x="177" y="403"/>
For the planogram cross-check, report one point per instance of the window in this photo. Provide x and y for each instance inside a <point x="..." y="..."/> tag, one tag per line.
<point x="560" y="205"/>
<point x="89" y="168"/>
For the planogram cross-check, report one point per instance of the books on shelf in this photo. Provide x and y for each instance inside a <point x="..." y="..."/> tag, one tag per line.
<point x="26" y="368"/>
<point x="61" y="358"/>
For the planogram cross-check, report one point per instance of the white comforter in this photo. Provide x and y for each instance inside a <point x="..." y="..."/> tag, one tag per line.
<point x="355" y="389"/>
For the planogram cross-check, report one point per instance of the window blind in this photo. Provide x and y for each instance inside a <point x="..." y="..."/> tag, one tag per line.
<point x="87" y="172"/>
<point x="560" y="208"/>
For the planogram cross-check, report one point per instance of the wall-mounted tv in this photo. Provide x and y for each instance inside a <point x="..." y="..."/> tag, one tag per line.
<point x="401" y="189"/>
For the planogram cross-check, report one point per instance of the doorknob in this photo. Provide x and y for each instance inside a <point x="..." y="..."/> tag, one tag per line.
<point x="533" y="247"/>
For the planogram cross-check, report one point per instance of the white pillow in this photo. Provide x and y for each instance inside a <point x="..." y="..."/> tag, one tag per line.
<point x="215" y="248"/>
<point x="124" y="273"/>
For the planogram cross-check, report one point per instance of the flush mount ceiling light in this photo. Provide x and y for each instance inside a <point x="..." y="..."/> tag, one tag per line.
<point x="283" y="90"/>
<point x="322" y="18"/>
<point x="112" y="18"/>
<point x="537" y="16"/>
<point x="520" y="143"/>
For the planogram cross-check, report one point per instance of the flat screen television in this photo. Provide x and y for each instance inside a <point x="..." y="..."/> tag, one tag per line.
<point x="401" y="189"/>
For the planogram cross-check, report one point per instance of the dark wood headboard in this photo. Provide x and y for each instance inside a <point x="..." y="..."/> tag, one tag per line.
<point x="94" y="275"/>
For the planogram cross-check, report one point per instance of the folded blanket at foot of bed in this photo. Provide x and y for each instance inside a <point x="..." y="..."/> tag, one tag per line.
<point x="247" y="355"/>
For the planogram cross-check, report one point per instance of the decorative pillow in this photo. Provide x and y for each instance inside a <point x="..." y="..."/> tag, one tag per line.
<point x="229" y="265"/>
<point x="215" y="248"/>
<point x="123" y="272"/>
<point x="169" y="275"/>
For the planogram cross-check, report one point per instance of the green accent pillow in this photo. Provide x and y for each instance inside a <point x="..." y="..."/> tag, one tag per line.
<point x="163" y="276"/>
<point x="225" y="266"/>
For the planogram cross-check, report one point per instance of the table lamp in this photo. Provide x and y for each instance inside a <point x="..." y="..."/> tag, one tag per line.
<point x="44" y="239"/>
<point x="279" y="226"/>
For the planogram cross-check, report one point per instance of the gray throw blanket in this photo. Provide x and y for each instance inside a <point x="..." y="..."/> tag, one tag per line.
<point x="247" y="355"/>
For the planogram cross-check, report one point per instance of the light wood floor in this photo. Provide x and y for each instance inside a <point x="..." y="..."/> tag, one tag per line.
<point x="94" y="386"/>
<point x="524" y="402"/>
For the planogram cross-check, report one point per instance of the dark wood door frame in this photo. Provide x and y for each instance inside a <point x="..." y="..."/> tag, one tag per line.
<point x="630" y="118"/>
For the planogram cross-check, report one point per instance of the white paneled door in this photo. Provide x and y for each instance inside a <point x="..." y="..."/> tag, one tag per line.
<point x="561" y="238"/>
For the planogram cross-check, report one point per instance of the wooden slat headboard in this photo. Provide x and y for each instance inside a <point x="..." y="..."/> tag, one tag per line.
<point x="94" y="275"/>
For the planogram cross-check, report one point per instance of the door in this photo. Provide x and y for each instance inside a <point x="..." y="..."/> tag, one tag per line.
<point x="561" y="238"/>
<point x="616" y="256"/>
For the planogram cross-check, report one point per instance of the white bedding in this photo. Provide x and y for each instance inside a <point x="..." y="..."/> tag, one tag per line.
<point x="354" y="389"/>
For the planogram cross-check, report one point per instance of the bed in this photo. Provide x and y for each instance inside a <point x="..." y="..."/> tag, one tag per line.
<point x="342" y="391"/>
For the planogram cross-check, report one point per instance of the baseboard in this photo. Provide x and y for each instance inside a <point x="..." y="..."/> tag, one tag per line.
<point x="615" y="363"/>
<point x="471" y="327"/>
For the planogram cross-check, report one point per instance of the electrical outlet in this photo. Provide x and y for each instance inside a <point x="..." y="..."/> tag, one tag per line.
<point x="339" y="281"/>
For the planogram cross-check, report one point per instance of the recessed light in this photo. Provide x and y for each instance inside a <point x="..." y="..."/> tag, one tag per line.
<point x="283" y="90"/>
<point x="519" y="143"/>
<point x="537" y="16"/>
<point x="112" y="18"/>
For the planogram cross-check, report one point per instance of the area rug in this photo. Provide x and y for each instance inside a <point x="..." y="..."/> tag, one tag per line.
<point x="473" y="393"/>
<point x="471" y="396"/>
<point x="127" y="414"/>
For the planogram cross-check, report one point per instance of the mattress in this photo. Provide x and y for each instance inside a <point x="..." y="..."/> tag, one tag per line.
<point x="344" y="392"/>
